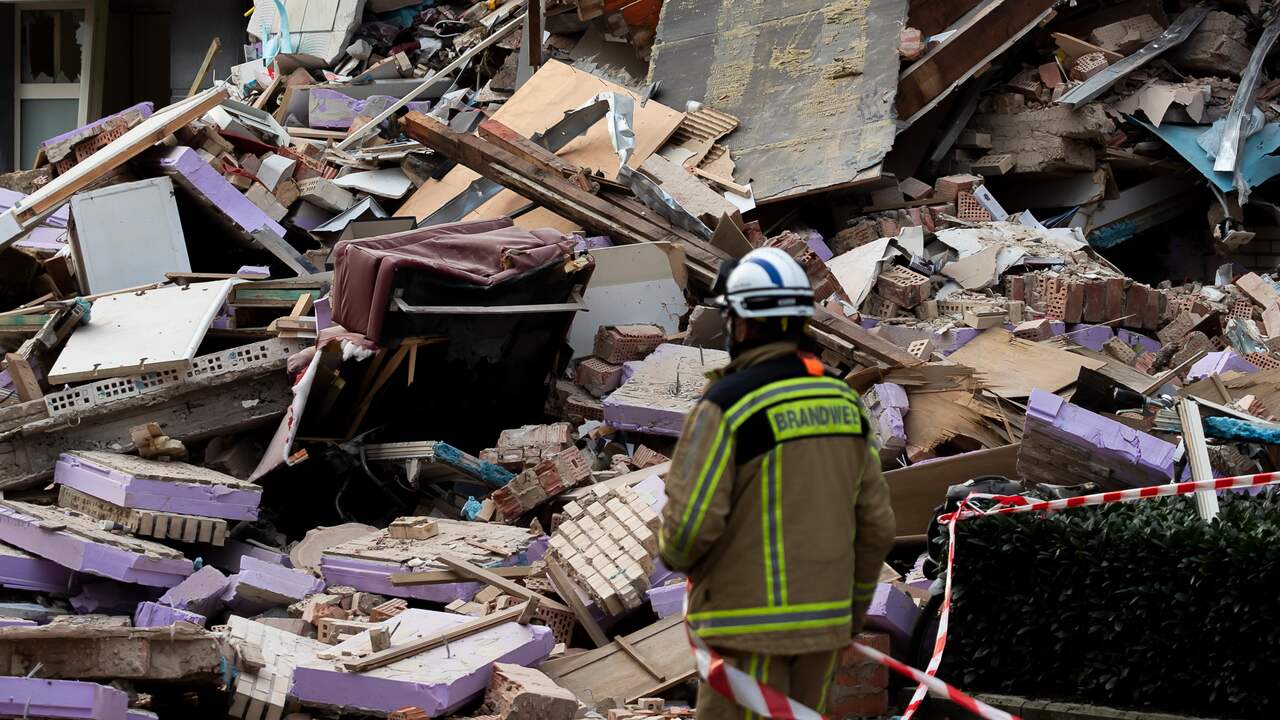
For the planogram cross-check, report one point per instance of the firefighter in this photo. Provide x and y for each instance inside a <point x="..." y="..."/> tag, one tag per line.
<point x="776" y="506"/>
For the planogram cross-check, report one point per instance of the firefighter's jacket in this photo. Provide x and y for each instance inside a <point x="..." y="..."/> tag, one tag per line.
<point x="776" y="507"/>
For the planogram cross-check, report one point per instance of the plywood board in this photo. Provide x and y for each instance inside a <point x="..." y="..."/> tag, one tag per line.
<point x="542" y="102"/>
<point x="141" y="332"/>
<point x="812" y="81"/>
<point x="610" y="672"/>
<point x="1012" y="367"/>
<point x="918" y="490"/>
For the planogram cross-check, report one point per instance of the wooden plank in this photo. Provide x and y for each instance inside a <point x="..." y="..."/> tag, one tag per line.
<point x="567" y="590"/>
<point x="33" y="209"/>
<point x="634" y="652"/>
<point x="23" y="377"/>
<point x="988" y="32"/>
<point x="454" y="634"/>
<point x="861" y="338"/>
<point x="198" y="80"/>
<point x="1198" y="456"/>
<point x="611" y="672"/>
<point x="541" y="103"/>
<point x="439" y="577"/>
<point x="505" y="585"/>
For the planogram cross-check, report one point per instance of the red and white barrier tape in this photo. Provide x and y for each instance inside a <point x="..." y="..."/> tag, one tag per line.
<point x="765" y="701"/>
<point x="1016" y="504"/>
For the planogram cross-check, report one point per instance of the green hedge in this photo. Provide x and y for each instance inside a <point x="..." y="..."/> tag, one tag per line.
<point x="1137" y="605"/>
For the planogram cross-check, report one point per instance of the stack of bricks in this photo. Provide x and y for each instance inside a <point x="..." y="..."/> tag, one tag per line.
<point x="860" y="687"/>
<point x="903" y="286"/>
<point x="536" y="485"/>
<point x="617" y="344"/>
<point x="607" y="543"/>
<point x="650" y="709"/>
<point x="1074" y="299"/>
<point x="529" y="445"/>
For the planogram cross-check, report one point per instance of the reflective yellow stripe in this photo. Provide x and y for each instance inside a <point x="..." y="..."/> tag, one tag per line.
<point x="766" y="527"/>
<point x="704" y="489"/>
<point x="742" y="612"/>
<point x="826" y="683"/>
<point x="779" y="545"/>
<point x="814" y="417"/>
<point x="773" y="627"/>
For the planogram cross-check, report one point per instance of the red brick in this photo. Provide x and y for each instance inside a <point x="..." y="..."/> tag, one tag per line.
<point x="970" y="210"/>
<point x="1015" y="288"/>
<point x="1095" y="301"/>
<point x="1075" y="302"/>
<point x="1151" y="318"/>
<point x="622" y="343"/>
<point x="1115" y="298"/>
<point x="948" y="188"/>
<point x="1135" y="305"/>
<point x="903" y="286"/>
<point x="598" y="377"/>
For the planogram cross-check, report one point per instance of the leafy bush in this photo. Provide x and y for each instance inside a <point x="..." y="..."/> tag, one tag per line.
<point x="1137" y="605"/>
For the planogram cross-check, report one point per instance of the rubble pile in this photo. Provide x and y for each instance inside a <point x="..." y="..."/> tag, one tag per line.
<point x="345" y="385"/>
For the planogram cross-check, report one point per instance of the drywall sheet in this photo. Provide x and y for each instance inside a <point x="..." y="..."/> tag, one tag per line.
<point x="540" y="103"/>
<point x="812" y="81"/>
<point x="133" y="333"/>
<point x="128" y="235"/>
<point x="631" y="284"/>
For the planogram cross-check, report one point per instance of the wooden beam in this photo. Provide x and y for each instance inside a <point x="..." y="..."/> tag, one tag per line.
<point x="544" y="186"/>
<point x="196" y="82"/>
<point x="631" y="650"/>
<point x="861" y="338"/>
<point x="440" y="577"/>
<point x="454" y="634"/>
<point x="490" y="578"/>
<point x="566" y="590"/>
<point x="24" y="378"/>
<point x="986" y="33"/>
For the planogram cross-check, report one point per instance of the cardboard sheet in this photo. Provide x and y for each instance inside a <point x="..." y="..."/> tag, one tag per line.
<point x="542" y="102"/>
<point x="1012" y="367"/>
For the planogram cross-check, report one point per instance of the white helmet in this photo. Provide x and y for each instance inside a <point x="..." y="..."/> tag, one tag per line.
<point x="766" y="283"/>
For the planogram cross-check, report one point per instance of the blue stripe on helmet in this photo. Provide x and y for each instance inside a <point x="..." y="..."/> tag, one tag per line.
<point x="770" y="269"/>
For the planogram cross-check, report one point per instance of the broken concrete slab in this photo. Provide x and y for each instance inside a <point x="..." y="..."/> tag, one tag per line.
<point x="20" y="570"/>
<point x="659" y="391"/>
<point x="75" y="541"/>
<point x="438" y="681"/>
<point x="38" y="697"/>
<point x="173" y="487"/>
<point x="150" y="614"/>
<point x="1051" y="139"/>
<point x="260" y="586"/>
<point x="367" y="562"/>
<point x="1065" y="440"/>
<point x="201" y="593"/>
<point x="94" y="647"/>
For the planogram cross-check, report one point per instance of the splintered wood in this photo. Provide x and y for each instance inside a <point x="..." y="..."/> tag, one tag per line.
<point x="607" y="544"/>
<point x="452" y="539"/>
